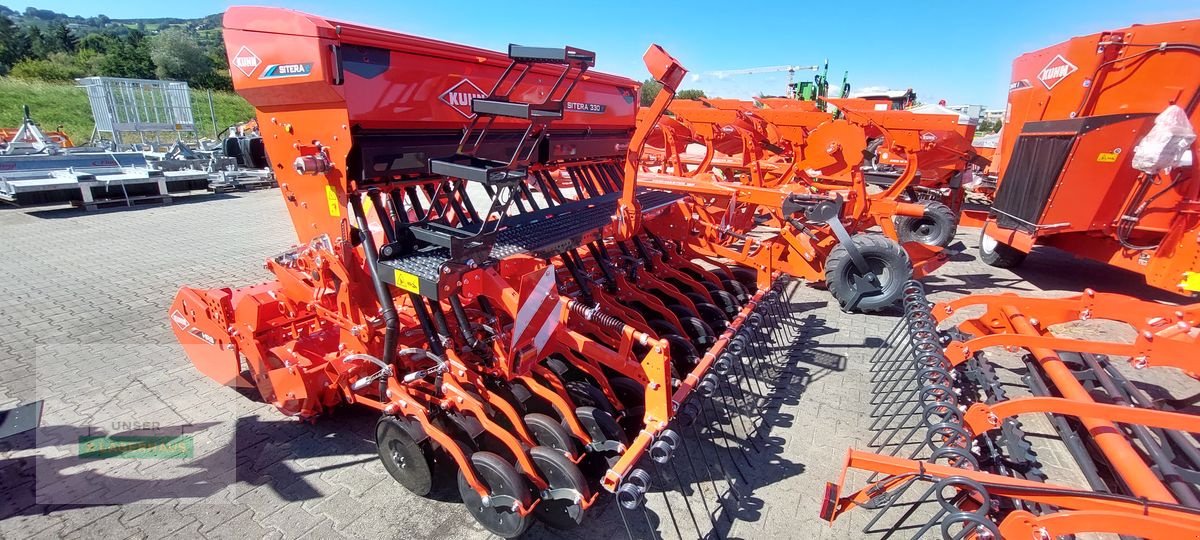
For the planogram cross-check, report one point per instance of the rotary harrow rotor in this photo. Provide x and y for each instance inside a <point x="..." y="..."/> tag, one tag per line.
<point x="948" y="416"/>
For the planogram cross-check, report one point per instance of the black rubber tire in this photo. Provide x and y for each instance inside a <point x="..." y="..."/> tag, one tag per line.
<point x="935" y="228"/>
<point x="560" y="473"/>
<point x="727" y="302"/>
<point x="737" y="289"/>
<point x="699" y="332"/>
<point x="998" y="254"/>
<point x="661" y="326"/>
<point x="585" y="394"/>
<point x="886" y="258"/>
<point x="714" y="316"/>
<point x="684" y="355"/>
<point x="501" y="479"/>
<point x="549" y="432"/>
<point x="629" y="391"/>
<point x="409" y="462"/>
<point x="748" y="277"/>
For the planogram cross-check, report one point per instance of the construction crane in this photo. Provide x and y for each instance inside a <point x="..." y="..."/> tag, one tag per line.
<point x="791" y="71"/>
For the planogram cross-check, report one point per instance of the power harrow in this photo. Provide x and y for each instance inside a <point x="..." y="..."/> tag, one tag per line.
<point x="952" y="428"/>
<point x="532" y="336"/>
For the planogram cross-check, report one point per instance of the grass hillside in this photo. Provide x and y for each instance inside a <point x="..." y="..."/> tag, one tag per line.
<point x="53" y="105"/>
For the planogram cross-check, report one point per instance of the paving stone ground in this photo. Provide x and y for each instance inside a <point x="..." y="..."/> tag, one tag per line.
<point x="84" y="327"/>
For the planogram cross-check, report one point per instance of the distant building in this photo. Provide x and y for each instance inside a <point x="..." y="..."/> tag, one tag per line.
<point x="973" y="111"/>
<point x="993" y="114"/>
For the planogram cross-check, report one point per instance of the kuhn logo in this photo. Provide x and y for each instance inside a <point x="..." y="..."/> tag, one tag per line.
<point x="459" y="97"/>
<point x="246" y="61"/>
<point x="1054" y="72"/>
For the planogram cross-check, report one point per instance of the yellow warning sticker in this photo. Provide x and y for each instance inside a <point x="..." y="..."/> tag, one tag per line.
<point x="335" y="208"/>
<point x="1191" y="282"/>
<point x="1107" y="157"/>
<point x="408" y="282"/>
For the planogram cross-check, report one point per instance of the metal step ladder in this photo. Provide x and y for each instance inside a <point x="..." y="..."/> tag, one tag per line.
<point x="467" y="164"/>
<point x="501" y="176"/>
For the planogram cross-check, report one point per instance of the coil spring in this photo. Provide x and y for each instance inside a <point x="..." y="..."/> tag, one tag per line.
<point x="945" y="434"/>
<point x="595" y="315"/>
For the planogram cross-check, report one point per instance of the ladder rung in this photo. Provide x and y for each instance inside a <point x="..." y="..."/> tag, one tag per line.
<point x="551" y="55"/>
<point x="484" y="171"/>
<point x="527" y="111"/>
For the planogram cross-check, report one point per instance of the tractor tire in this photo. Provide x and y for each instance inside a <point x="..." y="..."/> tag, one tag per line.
<point x="998" y="254"/>
<point x="935" y="228"/>
<point x="888" y="261"/>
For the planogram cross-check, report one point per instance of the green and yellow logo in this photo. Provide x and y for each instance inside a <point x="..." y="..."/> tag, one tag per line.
<point x="136" y="447"/>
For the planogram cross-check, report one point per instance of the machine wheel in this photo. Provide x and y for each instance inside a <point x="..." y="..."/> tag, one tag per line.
<point x="586" y="394"/>
<point x="548" y="432"/>
<point x="714" y="316"/>
<point x="887" y="260"/>
<point x="748" y="277"/>
<point x="997" y="254"/>
<point x="684" y="355"/>
<point x="935" y="228"/>
<point x="560" y="473"/>
<point x="738" y="290"/>
<point x="629" y="391"/>
<point x="409" y="462"/>
<point x="726" y="301"/>
<point x="699" y="331"/>
<point x="501" y="479"/>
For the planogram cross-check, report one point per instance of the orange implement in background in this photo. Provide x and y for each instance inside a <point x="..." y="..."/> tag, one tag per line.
<point x="1077" y="113"/>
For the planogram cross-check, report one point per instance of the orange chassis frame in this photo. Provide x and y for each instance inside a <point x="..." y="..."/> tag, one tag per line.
<point x="1166" y="337"/>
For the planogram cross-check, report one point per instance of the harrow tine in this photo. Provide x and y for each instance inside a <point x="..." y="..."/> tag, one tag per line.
<point x="723" y="366"/>
<point x="689" y="420"/>
<point x="746" y="388"/>
<point x="708" y="387"/>
<point x="700" y="486"/>
<point x="663" y="453"/>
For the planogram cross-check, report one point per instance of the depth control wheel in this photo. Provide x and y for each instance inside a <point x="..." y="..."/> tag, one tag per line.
<point x="504" y="483"/>
<point x="935" y="228"/>
<point x="885" y="259"/>
<point x="409" y="462"/>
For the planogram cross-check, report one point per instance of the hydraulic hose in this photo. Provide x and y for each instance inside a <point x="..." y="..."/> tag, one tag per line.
<point x="387" y="306"/>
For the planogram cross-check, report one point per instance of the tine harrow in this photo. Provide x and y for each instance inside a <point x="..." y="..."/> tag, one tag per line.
<point x="946" y="415"/>
<point x="697" y="476"/>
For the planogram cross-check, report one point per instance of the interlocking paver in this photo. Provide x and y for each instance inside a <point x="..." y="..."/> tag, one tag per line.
<point x="107" y="278"/>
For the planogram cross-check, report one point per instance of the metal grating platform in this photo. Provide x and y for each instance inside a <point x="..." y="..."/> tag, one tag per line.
<point x="545" y="232"/>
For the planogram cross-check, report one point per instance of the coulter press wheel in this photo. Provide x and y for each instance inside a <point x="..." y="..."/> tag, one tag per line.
<point x="409" y="462"/>
<point x="561" y="474"/>
<point x="502" y="479"/>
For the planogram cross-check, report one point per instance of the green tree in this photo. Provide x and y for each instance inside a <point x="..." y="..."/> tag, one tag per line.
<point x="128" y="57"/>
<point x="58" y="67"/>
<point x="98" y="42"/>
<point x="176" y="55"/>
<point x="14" y="45"/>
<point x="40" y="45"/>
<point x="64" y="40"/>
<point x="690" y="94"/>
<point x="650" y="88"/>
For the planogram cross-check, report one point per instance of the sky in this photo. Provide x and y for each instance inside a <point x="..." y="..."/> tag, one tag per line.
<point x="960" y="51"/>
